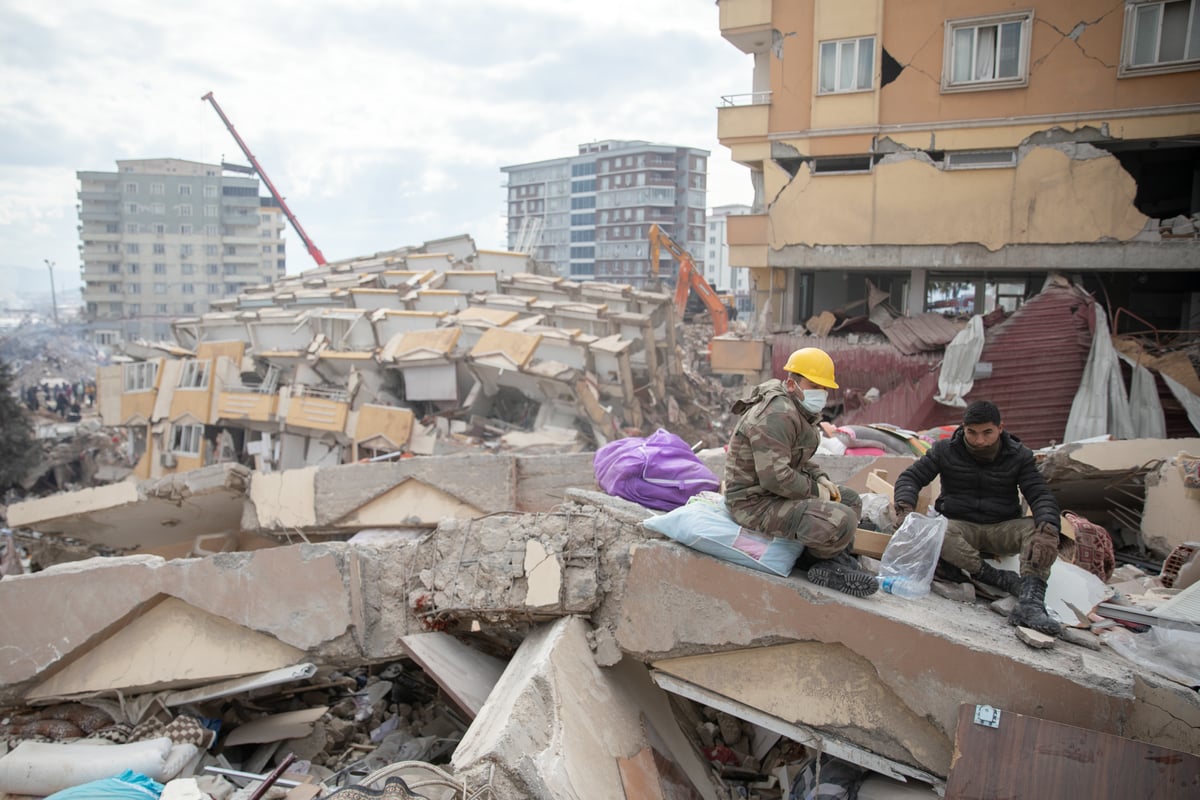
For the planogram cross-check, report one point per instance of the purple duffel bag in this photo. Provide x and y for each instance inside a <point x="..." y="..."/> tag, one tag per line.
<point x="659" y="471"/>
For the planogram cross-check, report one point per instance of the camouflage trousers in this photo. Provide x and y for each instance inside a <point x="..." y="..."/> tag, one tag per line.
<point x="965" y="540"/>
<point x="824" y="527"/>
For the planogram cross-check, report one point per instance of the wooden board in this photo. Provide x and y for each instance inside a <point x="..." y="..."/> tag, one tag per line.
<point x="466" y="675"/>
<point x="870" y="543"/>
<point x="1033" y="758"/>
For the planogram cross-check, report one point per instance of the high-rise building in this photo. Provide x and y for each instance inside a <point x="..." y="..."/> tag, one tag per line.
<point x="717" y="270"/>
<point x="163" y="238"/>
<point x="968" y="149"/>
<point x="590" y="214"/>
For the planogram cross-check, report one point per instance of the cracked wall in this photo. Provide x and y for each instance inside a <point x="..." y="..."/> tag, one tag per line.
<point x="1072" y="94"/>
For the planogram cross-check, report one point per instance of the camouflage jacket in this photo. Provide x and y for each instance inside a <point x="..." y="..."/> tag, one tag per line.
<point x="770" y="448"/>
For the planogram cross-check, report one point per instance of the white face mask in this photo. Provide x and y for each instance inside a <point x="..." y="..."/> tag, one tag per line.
<point x="814" y="400"/>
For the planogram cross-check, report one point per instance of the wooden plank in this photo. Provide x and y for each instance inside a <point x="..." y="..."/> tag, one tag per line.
<point x="1031" y="757"/>
<point x="466" y="675"/>
<point x="870" y="543"/>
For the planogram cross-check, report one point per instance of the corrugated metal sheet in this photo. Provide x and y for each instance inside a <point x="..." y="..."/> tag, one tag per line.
<point x="859" y="366"/>
<point x="1037" y="357"/>
<point x="912" y="335"/>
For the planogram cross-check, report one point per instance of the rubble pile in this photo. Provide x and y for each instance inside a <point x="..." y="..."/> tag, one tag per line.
<point x="44" y="351"/>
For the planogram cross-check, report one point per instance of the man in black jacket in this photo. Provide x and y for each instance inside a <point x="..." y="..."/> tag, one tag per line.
<point x="982" y="466"/>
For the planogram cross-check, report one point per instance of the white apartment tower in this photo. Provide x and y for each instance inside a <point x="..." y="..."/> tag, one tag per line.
<point x="163" y="238"/>
<point x="589" y="214"/>
<point x="717" y="270"/>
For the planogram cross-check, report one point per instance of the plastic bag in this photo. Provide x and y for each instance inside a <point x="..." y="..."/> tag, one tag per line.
<point x="704" y="524"/>
<point x="1174" y="654"/>
<point x="878" y="509"/>
<point x="911" y="555"/>
<point x="659" y="471"/>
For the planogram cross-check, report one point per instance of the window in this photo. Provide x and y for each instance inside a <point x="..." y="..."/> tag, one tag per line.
<point x="185" y="249"/>
<point x="131" y="227"/>
<point x="160" y="229"/>
<point x="156" y="188"/>
<point x="210" y="190"/>
<point x="185" y="230"/>
<point x="980" y="159"/>
<point x="139" y="377"/>
<point x="131" y="247"/>
<point x="131" y="208"/>
<point x="187" y="269"/>
<point x="160" y="249"/>
<point x="135" y="309"/>
<point x="158" y="208"/>
<point x="160" y="288"/>
<point x="160" y="268"/>
<point x="185" y="211"/>
<point x="131" y="188"/>
<point x="194" y="375"/>
<point x="188" y="288"/>
<point x="186" y="439"/>
<point x="189" y="308"/>
<point x="210" y="211"/>
<point x="212" y="269"/>
<point x="840" y="164"/>
<point x="185" y="190"/>
<point x="1160" y="37"/>
<point x="210" y="230"/>
<point x="847" y="65"/>
<point x="134" y="288"/>
<point x="986" y="52"/>
<point x="114" y="269"/>
<point x="134" y="269"/>
<point x="161" y="308"/>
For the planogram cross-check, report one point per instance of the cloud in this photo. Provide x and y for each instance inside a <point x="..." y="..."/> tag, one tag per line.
<point x="382" y="123"/>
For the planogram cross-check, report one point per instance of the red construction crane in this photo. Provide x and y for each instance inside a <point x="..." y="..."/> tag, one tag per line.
<point x="313" y="250"/>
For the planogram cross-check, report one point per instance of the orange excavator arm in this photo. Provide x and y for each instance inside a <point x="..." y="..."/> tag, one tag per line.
<point x="689" y="279"/>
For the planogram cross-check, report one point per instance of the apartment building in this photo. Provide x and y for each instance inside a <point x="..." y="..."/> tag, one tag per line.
<point x="589" y="214"/>
<point x="717" y="269"/>
<point x="968" y="148"/>
<point x="165" y="238"/>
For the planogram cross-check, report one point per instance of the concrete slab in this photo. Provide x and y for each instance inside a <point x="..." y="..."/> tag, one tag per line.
<point x="930" y="655"/>
<point x="557" y="725"/>
<point x="147" y="514"/>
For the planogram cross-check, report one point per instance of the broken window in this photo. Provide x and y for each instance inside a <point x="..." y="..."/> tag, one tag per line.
<point x="186" y="439"/>
<point x="194" y="375"/>
<point x="847" y="65"/>
<point x="986" y="52"/>
<point x="1160" y="37"/>
<point x="139" y="377"/>
<point x="980" y="159"/>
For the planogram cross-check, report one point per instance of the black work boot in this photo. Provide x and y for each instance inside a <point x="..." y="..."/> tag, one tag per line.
<point x="1000" y="578"/>
<point x="1031" y="608"/>
<point x="835" y="574"/>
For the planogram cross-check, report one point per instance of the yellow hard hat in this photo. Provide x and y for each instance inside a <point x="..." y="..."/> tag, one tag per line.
<point x="812" y="363"/>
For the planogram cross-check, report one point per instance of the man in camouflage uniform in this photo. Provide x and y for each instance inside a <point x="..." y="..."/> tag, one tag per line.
<point x="772" y="486"/>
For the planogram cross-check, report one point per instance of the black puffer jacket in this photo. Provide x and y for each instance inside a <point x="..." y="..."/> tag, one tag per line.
<point x="979" y="491"/>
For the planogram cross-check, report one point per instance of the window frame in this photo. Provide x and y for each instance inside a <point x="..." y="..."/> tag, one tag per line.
<point x="1025" y="18"/>
<point x="1128" y="69"/>
<point x="838" y="44"/>
<point x="187" y="440"/>
<point x="135" y="378"/>
<point x="194" y="374"/>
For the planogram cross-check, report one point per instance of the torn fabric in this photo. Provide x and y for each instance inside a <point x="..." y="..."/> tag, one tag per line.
<point x="1100" y="406"/>
<point x="958" y="366"/>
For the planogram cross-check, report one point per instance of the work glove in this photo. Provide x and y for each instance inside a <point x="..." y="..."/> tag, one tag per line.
<point x="1043" y="547"/>
<point x="900" y="511"/>
<point x="829" y="489"/>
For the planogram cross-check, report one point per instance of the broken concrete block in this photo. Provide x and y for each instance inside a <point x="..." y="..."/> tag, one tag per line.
<point x="534" y="738"/>
<point x="1035" y="639"/>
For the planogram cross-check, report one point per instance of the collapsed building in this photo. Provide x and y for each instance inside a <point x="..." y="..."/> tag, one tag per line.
<point x="558" y="650"/>
<point x="407" y="352"/>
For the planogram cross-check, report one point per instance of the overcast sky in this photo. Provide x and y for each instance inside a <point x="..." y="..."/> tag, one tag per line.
<point x="382" y="123"/>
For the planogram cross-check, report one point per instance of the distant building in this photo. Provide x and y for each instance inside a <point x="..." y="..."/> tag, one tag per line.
<point x="589" y="214"/>
<point x="717" y="270"/>
<point x="164" y="238"/>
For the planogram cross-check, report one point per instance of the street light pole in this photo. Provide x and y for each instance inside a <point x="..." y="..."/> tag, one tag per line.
<point x="53" y="297"/>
